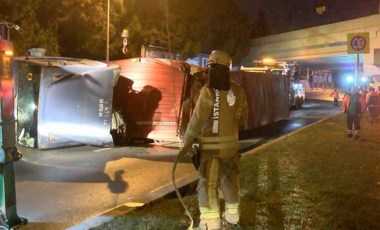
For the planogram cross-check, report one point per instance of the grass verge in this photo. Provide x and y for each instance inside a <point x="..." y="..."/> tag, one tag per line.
<point x="316" y="178"/>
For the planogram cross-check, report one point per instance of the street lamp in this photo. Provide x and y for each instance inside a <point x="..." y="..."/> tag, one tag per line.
<point x="6" y="31"/>
<point x="108" y="32"/>
<point x="124" y="35"/>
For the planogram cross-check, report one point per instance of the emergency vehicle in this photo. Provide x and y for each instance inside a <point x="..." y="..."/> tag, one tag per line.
<point x="296" y="90"/>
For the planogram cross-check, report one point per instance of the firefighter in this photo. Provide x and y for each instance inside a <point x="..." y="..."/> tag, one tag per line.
<point x="218" y="113"/>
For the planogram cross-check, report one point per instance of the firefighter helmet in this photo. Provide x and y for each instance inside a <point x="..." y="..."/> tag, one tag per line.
<point x="219" y="57"/>
<point x="218" y="68"/>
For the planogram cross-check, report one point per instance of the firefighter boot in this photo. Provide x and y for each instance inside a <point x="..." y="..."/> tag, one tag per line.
<point x="210" y="219"/>
<point x="232" y="213"/>
<point x="231" y="216"/>
<point x="357" y="135"/>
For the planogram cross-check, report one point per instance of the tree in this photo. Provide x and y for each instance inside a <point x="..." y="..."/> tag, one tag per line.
<point x="227" y="28"/>
<point x="83" y="27"/>
<point x="201" y="26"/>
<point x="146" y="23"/>
<point x="28" y="16"/>
<point x="188" y="27"/>
<point x="78" y="28"/>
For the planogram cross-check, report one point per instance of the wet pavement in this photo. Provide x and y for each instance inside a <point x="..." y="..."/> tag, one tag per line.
<point x="60" y="188"/>
<point x="73" y="187"/>
<point x="313" y="178"/>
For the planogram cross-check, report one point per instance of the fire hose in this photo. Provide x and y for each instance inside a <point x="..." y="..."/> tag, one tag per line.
<point x="180" y="155"/>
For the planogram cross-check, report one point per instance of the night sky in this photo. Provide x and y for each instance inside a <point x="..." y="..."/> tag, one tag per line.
<point x="282" y="16"/>
<point x="251" y="7"/>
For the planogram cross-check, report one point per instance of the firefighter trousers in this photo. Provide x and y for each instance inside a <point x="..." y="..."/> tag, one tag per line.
<point x="215" y="173"/>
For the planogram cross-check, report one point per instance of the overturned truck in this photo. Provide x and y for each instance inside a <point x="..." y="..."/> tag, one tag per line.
<point x="63" y="102"/>
<point x="153" y="98"/>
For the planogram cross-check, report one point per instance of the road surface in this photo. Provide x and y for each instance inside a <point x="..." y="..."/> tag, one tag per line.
<point x="60" y="188"/>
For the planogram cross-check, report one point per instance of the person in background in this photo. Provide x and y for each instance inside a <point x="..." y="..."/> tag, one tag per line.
<point x="311" y="83"/>
<point x="335" y="96"/>
<point x="352" y="107"/>
<point x="220" y="110"/>
<point x="378" y="90"/>
<point x="362" y="96"/>
<point x="372" y="104"/>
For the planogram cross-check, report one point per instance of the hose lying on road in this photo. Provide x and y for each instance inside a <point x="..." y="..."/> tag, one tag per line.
<point x="180" y="155"/>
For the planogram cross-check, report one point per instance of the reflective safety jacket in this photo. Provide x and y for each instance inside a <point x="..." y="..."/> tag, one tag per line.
<point x="352" y="105"/>
<point x="217" y="116"/>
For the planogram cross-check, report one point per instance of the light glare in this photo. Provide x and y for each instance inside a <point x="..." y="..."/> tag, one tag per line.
<point x="268" y="60"/>
<point x="9" y="52"/>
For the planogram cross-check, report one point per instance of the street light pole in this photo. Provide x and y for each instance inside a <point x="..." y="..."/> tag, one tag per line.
<point x="357" y="70"/>
<point x="108" y="32"/>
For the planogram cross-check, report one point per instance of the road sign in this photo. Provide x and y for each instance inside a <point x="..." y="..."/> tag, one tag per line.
<point x="358" y="43"/>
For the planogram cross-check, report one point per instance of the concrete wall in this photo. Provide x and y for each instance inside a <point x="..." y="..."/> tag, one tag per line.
<point x="316" y="42"/>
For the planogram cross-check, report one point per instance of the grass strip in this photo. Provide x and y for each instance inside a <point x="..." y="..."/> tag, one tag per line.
<point x="316" y="178"/>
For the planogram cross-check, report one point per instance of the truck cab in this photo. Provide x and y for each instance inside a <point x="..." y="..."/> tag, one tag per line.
<point x="296" y="95"/>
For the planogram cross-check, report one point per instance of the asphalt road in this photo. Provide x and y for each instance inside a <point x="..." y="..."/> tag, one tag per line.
<point x="312" y="111"/>
<point x="60" y="188"/>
